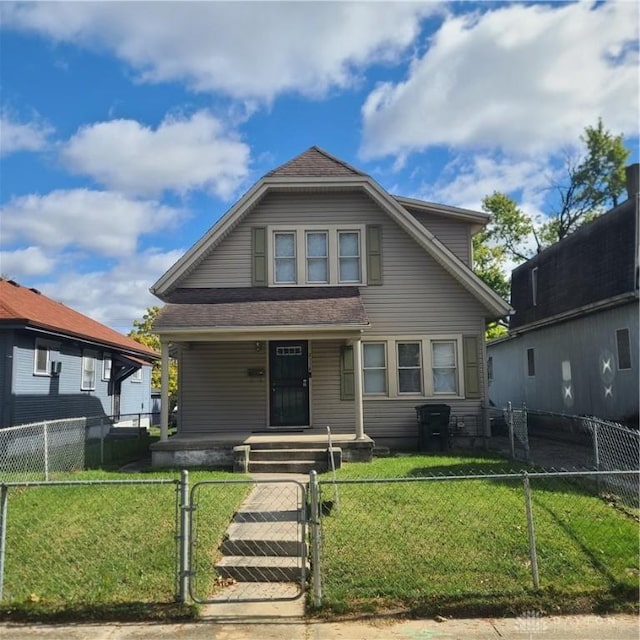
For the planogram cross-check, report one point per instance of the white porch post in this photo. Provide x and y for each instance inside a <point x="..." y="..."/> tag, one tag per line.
<point x="357" y="366"/>
<point x="164" y="392"/>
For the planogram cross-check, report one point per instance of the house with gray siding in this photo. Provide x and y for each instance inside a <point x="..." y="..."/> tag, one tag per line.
<point x="321" y="300"/>
<point x="57" y="363"/>
<point x="572" y="346"/>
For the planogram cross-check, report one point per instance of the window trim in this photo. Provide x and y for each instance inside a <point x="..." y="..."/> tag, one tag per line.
<point x="106" y="357"/>
<point x="385" y="347"/>
<point x="393" y="392"/>
<point x="300" y="232"/>
<point x="628" y="345"/>
<point x="296" y="254"/>
<point x="137" y="376"/>
<point x="88" y="355"/>
<point x="44" y="345"/>
<point x="326" y="257"/>
<point x="419" y="367"/>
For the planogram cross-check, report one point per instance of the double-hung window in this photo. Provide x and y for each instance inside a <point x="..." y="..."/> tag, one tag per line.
<point x="137" y="375"/>
<point x="409" y="367"/>
<point x="42" y="359"/>
<point x="444" y="366"/>
<point x="374" y="367"/>
<point x="106" y="366"/>
<point x="285" y="257"/>
<point x="88" y="382"/>
<point x="349" y="259"/>
<point x="317" y="250"/>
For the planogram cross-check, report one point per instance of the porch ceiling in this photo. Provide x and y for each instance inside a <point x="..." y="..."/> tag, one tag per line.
<point x="263" y="308"/>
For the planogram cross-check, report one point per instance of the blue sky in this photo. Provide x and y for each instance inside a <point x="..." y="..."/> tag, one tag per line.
<point x="128" y="128"/>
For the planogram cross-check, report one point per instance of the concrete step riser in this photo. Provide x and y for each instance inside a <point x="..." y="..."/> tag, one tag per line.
<point x="299" y="455"/>
<point x="284" y="548"/>
<point x="291" y="445"/>
<point x="287" y="467"/>
<point x="260" y="574"/>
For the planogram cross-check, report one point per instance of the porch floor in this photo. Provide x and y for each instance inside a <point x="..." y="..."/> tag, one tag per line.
<point x="308" y="438"/>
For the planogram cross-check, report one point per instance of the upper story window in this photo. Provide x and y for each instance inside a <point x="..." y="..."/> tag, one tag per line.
<point x="531" y="363"/>
<point x="349" y="260"/>
<point x="42" y="359"/>
<point x="313" y="255"/>
<point x="534" y="286"/>
<point x="317" y="257"/>
<point x="285" y="271"/>
<point x="88" y="382"/>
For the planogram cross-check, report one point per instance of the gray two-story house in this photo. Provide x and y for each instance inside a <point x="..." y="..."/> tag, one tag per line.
<point x="319" y="299"/>
<point x="572" y="346"/>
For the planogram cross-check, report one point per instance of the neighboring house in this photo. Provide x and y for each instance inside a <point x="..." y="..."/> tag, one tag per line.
<point x="57" y="363"/>
<point x="319" y="300"/>
<point x="573" y="340"/>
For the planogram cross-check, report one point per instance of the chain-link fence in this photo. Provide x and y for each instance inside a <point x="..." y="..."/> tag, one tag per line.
<point x="35" y="451"/>
<point x="76" y="544"/>
<point x="516" y="420"/>
<point x="442" y="539"/>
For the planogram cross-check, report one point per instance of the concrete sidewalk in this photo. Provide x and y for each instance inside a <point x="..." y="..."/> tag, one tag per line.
<point x="620" y="627"/>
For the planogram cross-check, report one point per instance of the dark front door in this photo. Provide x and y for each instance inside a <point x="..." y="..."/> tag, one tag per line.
<point x="289" y="378"/>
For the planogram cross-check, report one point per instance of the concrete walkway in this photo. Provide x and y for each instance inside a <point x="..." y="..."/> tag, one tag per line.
<point x="268" y="628"/>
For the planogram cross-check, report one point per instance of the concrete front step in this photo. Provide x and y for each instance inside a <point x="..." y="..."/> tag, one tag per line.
<point x="263" y="539"/>
<point x="260" y="569"/>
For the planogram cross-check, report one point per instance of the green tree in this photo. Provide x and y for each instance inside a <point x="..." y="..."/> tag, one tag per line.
<point x="142" y="332"/>
<point x="593" y="182"/>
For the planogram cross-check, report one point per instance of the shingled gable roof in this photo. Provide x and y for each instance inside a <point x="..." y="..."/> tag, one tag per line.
<point x="24" y="307"/>
<point x="314" y="162"/>
<point x="304" y="171"/>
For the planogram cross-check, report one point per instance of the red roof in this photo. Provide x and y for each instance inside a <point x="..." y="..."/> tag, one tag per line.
<point x="29" y="307"/>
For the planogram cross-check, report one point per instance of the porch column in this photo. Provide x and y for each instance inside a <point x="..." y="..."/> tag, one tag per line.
<point x="357" y="374"/>
<point x="164" y="392"/>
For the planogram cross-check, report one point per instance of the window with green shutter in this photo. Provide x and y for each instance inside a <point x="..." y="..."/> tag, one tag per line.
<point x="471" y="367"/>
<point x="259" y="242"/>
<point x="374" y="255"/>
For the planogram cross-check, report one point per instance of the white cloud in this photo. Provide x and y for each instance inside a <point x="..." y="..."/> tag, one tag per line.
<point x="30" y="261"/>
<point x="244" y="49"/>
<point x="180" y="155"/>
<point x="115" y="297"/>
<point x="19" y="136"/>
<point x="522" y="78"/>
<point x="99" y="221"/>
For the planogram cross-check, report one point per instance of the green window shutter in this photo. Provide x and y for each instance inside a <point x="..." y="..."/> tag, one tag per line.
<point x="374" y="254"/>
<point x="471" y="367"/>
<point x="347" y="374"/>
<point x="259" y="242"/>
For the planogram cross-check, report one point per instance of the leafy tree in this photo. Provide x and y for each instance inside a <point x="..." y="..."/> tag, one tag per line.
<point x="142" y="332"/>
<point x="592" y="184"/>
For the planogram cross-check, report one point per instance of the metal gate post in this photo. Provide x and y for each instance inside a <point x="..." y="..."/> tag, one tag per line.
<point x="45" y="435"/>
<point x="3" y="532"/>
<point x="511" y="434"/>
<point x="185" y="520"/>
<point x="314" y="529"/>
<point x="532" y="534"/>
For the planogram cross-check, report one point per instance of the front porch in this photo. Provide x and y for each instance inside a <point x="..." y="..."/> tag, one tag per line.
<point x="261" y="452"/>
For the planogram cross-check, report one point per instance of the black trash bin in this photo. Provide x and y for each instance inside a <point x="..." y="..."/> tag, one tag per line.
<point x="433" y="426"/>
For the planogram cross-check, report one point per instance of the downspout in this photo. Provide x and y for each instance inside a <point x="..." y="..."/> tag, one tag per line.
<point x="164" y="392"/>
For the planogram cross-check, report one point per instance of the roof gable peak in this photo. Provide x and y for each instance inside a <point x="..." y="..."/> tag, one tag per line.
<point x="314" y="163"/>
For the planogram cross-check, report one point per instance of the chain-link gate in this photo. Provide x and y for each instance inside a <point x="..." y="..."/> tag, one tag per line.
<point x="263" y="553"/>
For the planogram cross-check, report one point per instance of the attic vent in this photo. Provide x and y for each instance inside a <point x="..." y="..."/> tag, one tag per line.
<point x="13" y="282"/>
<point x="34" y="290"/>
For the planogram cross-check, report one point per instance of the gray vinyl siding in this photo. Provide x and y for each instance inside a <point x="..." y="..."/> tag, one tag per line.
<point x="327" y="409"/>
<point x="417" y="297"/>
<point x="135" y="396"/>
<point x="454" y="234"/>
<point x="583" y="342"/>
<point x="216" y="393"/>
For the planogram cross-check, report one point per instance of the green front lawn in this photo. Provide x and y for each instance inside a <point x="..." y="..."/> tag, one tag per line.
<point x="103" y="551"/>
<point x="462" y="545"/>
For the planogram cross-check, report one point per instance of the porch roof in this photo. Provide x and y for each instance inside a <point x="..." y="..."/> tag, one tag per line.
<point x="264" y="307"/>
